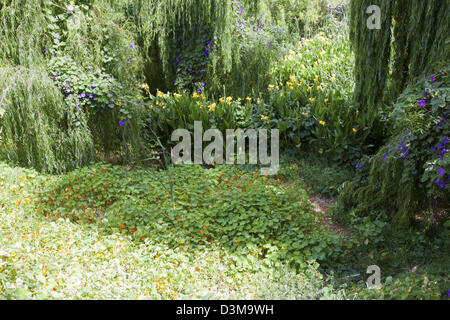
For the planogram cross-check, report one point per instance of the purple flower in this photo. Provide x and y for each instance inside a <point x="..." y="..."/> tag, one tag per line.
<point x="132" y="45"/>
<point x="203" y="84"/>
<point x="433" y="79"/>
<point x="121" y="123"/>
<point x="90" y="71"/>
<point x="422" y="103"/>
<point x="91" y="96"/>
<point x="359" y="165"/>
<point x="441" y="172"/>
<point x="433" y="149"/>
<point x="269" y="44"/>
<point x="82" y="95"/>
<point x="78" y="107"/>
<point x="179" y="39"/>
<point x="445" y="140"/>
<point x="384" y="156"/>
<point x="199" y="91"/>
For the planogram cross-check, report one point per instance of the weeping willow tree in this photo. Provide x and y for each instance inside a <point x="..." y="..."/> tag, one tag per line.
<point x="35" y="130"/>
<point x="160" y="23"/>
<point x="412" y="40"/>
<point x="411" y="44"/>
<point x="39" y="125"/>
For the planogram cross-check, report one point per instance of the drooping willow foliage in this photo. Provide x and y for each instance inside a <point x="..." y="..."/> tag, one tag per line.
<point x="416" y="31"/>
<point x="411" y="44"/>
<point x="41" y="122"/>
<point x="372" y="54"/>
<point x="162" y="27"/>
<point x="21" y="32"/>
<point x="160" y="23"/>
<point x="35" y="130"/>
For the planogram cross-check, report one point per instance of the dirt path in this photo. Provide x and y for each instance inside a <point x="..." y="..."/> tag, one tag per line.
<point x="321" y="206"/>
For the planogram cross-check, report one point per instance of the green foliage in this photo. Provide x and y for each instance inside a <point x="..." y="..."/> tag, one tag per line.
<point x="311" y="103"/>
<point x="419" y="44"/>
<point x="38" y="128"/>
<point x="90" y="56"/>
<point x="247" y="214"/>
<point x="372" y="49"/>
<point x="415" y="158"/>
<point x="316" y="173"/>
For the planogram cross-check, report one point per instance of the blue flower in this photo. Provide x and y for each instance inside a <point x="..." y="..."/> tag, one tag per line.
<point x="384" y="156"/>
<point x="441" y="172"/>
<point x="422" y="103"/>
<point x="121" y="123"/>
<point x="203" y="84"/>
<point x="132" y="45"/>
<point x="359" y="165"/>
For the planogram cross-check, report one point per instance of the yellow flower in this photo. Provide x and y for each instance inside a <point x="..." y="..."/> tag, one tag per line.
<point x="160" y="94"/>
<point x="177" y="95"/>
<point x="354" y="130"/>
<point x="222" y="99"/>
<point x="293" y="79"/>
<point x="195" y="95"/>
<point x="212" y="107"/>
<point x="229" y="99"/>
<point x="319" y="88"/>
<point x="281" y="94"/>
<point x="249" y="99"/>
<point x="309" y="89"/>
<point x="270" y="87"/>
<point x="312" y="99"/>
<point x="263" y="117"/>
<point x="322" y="122"/>
<point x="316" y="79"/>
<point x="145" y="87"/>
<point x="305" y="114"/>
<point x="333" y="79"/>
<point x="325" y="100"/>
